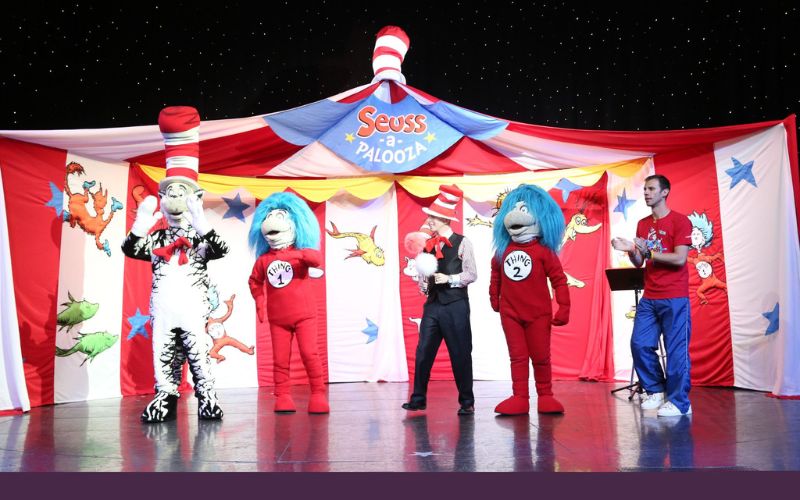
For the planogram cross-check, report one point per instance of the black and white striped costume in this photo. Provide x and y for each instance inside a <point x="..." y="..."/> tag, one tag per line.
<point x="179" y="306"/>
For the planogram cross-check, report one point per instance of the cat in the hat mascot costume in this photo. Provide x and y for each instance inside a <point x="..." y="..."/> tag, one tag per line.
<point x="285" y="237"/>
<point x="528" y="231"/>
<point x="445" y="315"/>
<point x="179" y="304"/>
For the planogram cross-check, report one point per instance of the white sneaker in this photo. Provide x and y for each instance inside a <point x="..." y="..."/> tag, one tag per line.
<point x="652" y="401"/>
<point x="670" y="410"/>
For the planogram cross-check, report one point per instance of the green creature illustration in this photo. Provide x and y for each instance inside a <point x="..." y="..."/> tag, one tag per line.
<point x="75" y="312"/>
<point x="90" y="344"/>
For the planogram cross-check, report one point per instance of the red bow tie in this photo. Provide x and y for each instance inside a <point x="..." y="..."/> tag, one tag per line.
<point x="181" y="245"/>
<point x="433" y="244"/>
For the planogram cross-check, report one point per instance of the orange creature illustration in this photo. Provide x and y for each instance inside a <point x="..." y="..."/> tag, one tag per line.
<point x="215" y="328"/>
<point x="702" y="236"/>
<point x="77" y="209"/>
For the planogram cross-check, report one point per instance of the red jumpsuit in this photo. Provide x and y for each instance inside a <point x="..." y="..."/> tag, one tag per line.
<point x="518" y="291"/>
<point x="290" y="309"/>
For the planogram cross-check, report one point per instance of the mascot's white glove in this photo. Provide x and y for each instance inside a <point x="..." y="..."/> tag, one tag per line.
<point x="196" y="215"/>
<point x="145" y="218"/>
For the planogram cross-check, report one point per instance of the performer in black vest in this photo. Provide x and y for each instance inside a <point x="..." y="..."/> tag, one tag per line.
<point x="446" y="311"/>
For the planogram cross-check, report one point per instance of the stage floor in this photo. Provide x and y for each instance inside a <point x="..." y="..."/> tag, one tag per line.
<point x="368" y="431"/>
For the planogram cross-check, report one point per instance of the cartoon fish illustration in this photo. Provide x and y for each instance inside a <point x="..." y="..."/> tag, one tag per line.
<point x="75" y="312"/>
<point x="90" y="344"/>
<point x="367" y="249"/>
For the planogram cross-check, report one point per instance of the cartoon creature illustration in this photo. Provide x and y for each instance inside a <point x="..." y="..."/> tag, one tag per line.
<point x="216" y="328"/>
<point x="78" y="213"/>
<point x="702" y="236"/>
<point x="366" y="247"/>
<point x="478" y="221"/>
<point x="90" y="344"/>
<point x="285" y="237"/>
<point x="578" y="224"/>
<point x="573" y="281"/>
<point x="528" y="234"/>
<point x="75" y="312"/>
<point x="179" y="252"/>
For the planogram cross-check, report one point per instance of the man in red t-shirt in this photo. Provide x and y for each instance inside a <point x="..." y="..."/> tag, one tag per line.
<point x="662" y="244"/>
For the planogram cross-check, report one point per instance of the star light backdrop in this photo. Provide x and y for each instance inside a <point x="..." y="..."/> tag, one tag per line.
<point x="619" y="66"/>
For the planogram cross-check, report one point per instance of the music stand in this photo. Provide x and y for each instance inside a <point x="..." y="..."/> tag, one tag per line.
<point x="628" y="278"/>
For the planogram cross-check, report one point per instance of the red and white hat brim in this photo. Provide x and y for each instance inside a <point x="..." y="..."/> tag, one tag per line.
<point x="440" y="215"/>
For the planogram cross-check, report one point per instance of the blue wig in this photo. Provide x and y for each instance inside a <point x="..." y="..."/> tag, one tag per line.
<point x="305" y="223"/>
<point x="542" y="206"/>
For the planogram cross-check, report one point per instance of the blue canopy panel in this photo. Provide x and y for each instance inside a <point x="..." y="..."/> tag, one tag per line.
<point x="305" y="124"/>
<point x="381" y="136"/>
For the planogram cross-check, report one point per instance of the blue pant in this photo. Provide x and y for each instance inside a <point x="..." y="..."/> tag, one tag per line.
<point x="672" y="318"/>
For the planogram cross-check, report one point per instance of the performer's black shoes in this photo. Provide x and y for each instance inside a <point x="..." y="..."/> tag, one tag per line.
<point x="466" y="410"/>
<point x="162" y="408"/>
<point x="411" y="406"/>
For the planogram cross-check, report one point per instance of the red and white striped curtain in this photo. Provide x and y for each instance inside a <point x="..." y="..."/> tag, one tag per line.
<point x="744" y="273"/>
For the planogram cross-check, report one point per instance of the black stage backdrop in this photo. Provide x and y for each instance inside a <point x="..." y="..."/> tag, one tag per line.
<point x="607" y="65"/>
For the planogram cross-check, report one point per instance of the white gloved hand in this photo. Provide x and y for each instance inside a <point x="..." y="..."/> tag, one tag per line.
<point x="145" y="218"/>
<point x="196" y="215"/>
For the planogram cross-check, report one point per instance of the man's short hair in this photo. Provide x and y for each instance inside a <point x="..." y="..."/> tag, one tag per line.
<point x="662" y="181"/>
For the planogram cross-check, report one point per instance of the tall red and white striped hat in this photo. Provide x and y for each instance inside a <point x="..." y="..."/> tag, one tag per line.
<point x="180" y="126"/>
<point x="391" y="45"/>
<point x="444" y="206"/>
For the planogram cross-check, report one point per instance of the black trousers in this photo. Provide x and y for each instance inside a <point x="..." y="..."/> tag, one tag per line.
<point x="451" y="323"/>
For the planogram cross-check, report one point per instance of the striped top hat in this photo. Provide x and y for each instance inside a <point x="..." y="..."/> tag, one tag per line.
<point x="180" y="126"/>
<point x="444" y="206"/>
<point x="391" y="45"/>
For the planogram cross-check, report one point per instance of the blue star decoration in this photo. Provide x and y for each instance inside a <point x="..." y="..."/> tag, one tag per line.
<point x="138" y="322"/>
<point x="371" y="331"/>
<point x="566" y="188"/>
<point x="236" y="208"/>
<point x="741" y="172"/>
<point x="56" y="200"/>
<point x="774" y="317"/>
<point x="623" y="203"/>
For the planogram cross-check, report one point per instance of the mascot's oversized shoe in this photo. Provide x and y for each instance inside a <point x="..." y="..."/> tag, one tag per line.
<point x="549" y="404"/>
<point x="162" y="408"/>
<point x="318" y="403"/>
<point x="207" y="407"/>
<point x="284" y="404"/>
<point x="515" y="405"/>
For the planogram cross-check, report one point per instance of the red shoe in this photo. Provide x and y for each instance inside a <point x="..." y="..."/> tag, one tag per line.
<point x="284" y="404"/>
<point x="549" y="404"/>
<point x="515" y="405"/>
<point x="318" y="403"/>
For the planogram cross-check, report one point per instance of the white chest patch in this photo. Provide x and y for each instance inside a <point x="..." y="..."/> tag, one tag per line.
<point x="280" y="273"/>
<point x="517" y="265"/>
<point x="704" y="269"/>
